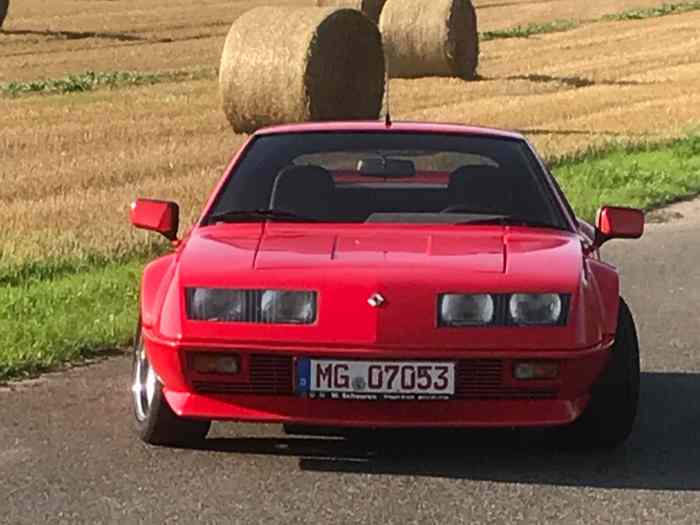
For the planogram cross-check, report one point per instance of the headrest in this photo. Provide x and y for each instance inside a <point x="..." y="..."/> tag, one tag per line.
<point x="304" y="190"/>
<point x="485" y="189"/>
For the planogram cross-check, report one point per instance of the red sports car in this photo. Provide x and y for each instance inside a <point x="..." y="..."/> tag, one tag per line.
<point x="373" y="275"/>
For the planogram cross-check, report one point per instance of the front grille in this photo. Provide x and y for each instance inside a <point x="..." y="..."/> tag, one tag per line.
<point x="476" y="379"/>
<point x="269" y="375"/>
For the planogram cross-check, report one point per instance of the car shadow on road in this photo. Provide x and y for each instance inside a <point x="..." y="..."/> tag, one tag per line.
<point x="662" y="454"/>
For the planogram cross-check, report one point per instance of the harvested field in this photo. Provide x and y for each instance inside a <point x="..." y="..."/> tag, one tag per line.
<point x="145" y="36"/>
<point x="76" y="169"/>
<point x="72" y="163"/>
<point x="572" y="90"/>
<point x="371" y="8"/>
<point x="69" y="36"/>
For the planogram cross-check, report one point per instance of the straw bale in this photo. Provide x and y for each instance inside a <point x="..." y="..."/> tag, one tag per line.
<point x="285" y="64"/>
<point x="430" y="39"/>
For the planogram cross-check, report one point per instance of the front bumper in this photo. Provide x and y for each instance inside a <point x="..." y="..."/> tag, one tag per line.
<point x="377" y="414"/>
<point x="511" y="403"/>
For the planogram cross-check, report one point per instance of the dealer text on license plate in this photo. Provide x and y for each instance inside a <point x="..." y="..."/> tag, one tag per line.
<point x="375" y="380"/>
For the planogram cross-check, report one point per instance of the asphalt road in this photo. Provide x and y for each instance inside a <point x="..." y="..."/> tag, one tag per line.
<point x="68" y="453"/>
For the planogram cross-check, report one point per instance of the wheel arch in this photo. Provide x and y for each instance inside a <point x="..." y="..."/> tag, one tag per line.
<point x="607" y="282"/>
<point x="154" y="284"/>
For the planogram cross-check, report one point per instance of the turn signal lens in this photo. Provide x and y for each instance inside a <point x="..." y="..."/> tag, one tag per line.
<point x="213" y="363"/>
<point x="536" y="370"/>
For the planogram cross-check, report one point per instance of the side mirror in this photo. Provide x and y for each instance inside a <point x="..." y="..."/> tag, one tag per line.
<point x="159" y="216"/>
<point x="618" y="223"/>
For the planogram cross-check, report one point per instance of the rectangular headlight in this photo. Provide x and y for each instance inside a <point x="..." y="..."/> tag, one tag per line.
<point x="538" y="309"/>
<point x="516" y="309"/>
<point x="281" y="306"/>
<point x="466" y="309"/>
<point x="251" y="306"/>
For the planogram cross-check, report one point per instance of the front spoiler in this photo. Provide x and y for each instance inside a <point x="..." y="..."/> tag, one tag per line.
<point x="377" y="414"/>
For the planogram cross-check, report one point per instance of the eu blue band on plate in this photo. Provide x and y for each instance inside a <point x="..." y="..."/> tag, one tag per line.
<point x="303" y="375"/>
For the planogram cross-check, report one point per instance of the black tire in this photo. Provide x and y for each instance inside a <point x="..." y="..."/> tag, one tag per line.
<point x="156" y="423"/>
<point x="609" y="418"/>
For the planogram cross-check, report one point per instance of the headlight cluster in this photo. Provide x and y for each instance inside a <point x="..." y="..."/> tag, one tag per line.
<point x="520" y="309"/>
<point x="251" y="306"/>
<point x="530" y="308"/>
<point x="467" y="310"/>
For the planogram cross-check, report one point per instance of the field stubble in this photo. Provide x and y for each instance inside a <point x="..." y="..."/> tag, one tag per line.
<point x="67" y="37"/>
<point x="71" y="164"/>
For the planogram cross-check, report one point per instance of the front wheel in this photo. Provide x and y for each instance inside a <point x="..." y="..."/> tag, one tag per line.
<point x="156" y="423"/>
<point x="609" y="418"/>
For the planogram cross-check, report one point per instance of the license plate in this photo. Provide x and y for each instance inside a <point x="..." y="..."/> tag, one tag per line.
<point x="375" y="380"/>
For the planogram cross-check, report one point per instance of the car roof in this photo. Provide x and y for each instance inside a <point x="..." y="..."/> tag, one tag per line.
<point x="380" y="126"/>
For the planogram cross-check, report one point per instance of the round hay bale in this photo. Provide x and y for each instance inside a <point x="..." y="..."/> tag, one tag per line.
<point x="371" y="8"/>
<point x="435" y="38"/>
<point x="4" y="5"/>
<point x="283" y="64"/>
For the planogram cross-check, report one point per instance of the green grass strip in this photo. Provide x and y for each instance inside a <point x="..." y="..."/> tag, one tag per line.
<point x="641" y="176"/>
<point x="17" y="274"/>
<point x="92" y="80"/>
<point x="528" y="30"/>
<point x="47" y="323"/>
<point x="654" y="12"/>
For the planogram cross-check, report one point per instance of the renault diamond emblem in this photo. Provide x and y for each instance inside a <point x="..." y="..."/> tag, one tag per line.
<point x="376" y="300"/>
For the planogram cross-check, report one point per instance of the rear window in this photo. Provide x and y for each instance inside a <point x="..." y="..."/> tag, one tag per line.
<point x="394" y="177"/>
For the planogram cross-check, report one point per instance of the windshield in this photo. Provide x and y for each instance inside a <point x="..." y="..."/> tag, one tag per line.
<point x="386" y="177"/>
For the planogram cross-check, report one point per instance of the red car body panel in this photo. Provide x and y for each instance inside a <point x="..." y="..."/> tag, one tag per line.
<point x="408" y="264"/>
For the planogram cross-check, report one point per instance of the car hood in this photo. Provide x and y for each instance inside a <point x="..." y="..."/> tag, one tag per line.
<point x="409" y="266"/>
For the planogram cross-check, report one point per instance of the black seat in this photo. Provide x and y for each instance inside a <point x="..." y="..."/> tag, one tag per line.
<point x="481" y="189"/>
<point x="304" y="190"/>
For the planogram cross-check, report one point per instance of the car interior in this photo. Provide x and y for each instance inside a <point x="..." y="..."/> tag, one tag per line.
<point x="315" y="192"/>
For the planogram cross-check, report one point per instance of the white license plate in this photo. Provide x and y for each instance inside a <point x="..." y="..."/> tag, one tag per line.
<point x="375" y="380"/>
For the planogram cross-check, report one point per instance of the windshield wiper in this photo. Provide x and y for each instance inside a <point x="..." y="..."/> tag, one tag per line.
<point x="509" y="220"/>
<point x="257" y="215"/>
